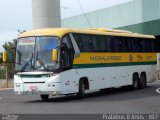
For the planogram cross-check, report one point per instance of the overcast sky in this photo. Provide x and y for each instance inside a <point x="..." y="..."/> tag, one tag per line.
<point x="17" y="14"/>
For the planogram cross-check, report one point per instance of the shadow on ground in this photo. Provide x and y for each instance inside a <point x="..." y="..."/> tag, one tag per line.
<point x="118" y="94"/>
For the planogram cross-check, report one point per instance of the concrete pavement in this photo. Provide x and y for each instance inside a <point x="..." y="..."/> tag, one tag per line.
<point x="119" y="100"/>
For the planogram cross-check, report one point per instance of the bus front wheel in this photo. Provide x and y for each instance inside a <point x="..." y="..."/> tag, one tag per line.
<point x="44" y="97"/>
<point x="81" y="92"/>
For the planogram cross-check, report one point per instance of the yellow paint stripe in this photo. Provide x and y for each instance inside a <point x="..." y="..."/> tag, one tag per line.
<point x="93" y="58"/>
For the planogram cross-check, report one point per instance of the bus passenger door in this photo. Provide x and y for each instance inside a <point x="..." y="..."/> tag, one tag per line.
<point x="67" y="53"/>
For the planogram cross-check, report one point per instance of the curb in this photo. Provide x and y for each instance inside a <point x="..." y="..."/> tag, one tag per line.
<point x="2" y="89"/>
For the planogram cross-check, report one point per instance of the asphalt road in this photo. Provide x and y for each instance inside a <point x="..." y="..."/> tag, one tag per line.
<point x="119" y="100"/>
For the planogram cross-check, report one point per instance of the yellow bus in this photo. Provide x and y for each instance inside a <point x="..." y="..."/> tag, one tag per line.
<point x="59" y="61"/>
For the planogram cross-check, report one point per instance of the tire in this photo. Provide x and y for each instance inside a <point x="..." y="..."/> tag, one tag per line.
<point x="81" y="92"/>
<point x="44" y="97"/>
<point x="135" y="83"/>
<point x="143" y="81"/>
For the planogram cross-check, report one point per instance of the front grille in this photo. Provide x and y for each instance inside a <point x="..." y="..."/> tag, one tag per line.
<point x="33" y="82"/>
<point x="35" y="76"/>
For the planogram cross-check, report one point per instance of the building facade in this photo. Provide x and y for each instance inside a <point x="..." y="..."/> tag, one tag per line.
<point x="140" y="16"/>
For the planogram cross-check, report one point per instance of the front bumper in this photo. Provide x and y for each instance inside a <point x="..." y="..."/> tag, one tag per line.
<point x="37" y="88"/>
<point x="53" y="93"/>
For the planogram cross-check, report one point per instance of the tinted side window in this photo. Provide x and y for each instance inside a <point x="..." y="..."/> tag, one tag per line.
<point x="143" y="45"/>
<point x="150" y="45"/>
<point x="102" y="44"/>
<point x="157" y="43"/>
<point x="111" y="44"/>
<point x="95" y="43"/>
<point x="87" y="43"/>
<point x="136" y="45"/>
<point x="118" y="44"/>
<point x="84" y="42"/>
<point x="126" y="44"/>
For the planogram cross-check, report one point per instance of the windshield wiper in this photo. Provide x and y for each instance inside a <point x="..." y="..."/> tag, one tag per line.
<point x="27" y="63"/>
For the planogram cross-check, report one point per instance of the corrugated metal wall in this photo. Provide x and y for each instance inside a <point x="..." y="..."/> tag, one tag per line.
<point x="142" y="16"/>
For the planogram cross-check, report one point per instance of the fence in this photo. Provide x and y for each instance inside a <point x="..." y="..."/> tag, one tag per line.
<point x="3" y="84"/>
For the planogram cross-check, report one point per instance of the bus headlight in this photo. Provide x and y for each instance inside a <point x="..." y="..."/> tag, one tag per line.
<point x="17" y="85"/>
<point x="51" y="85"/>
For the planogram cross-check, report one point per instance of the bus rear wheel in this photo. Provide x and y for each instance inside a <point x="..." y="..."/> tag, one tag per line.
<point x="143" y="81"/>
<point x="81" y="92"/>
<point x="44" y="97"/>
<point x="135" y="83"/>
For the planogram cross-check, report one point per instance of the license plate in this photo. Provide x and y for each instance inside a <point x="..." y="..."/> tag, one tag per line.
<point x="33" y="88"/>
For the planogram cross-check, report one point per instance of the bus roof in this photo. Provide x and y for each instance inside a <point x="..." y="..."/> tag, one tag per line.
<point x="60" y="32"/>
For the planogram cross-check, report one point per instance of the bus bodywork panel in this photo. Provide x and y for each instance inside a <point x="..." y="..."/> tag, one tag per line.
<point x="68" y="82"/>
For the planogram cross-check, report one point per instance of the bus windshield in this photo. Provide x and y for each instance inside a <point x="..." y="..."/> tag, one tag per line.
<point x="35" y="53"/>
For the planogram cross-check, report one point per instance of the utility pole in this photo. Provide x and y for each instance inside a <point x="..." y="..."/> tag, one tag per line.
<point x="6" y="77"/>
<point x="64" y="10"/>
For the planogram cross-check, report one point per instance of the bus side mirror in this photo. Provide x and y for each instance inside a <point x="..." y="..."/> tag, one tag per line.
<point x="4" y="56"/>
<point x="55" y="55"/>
